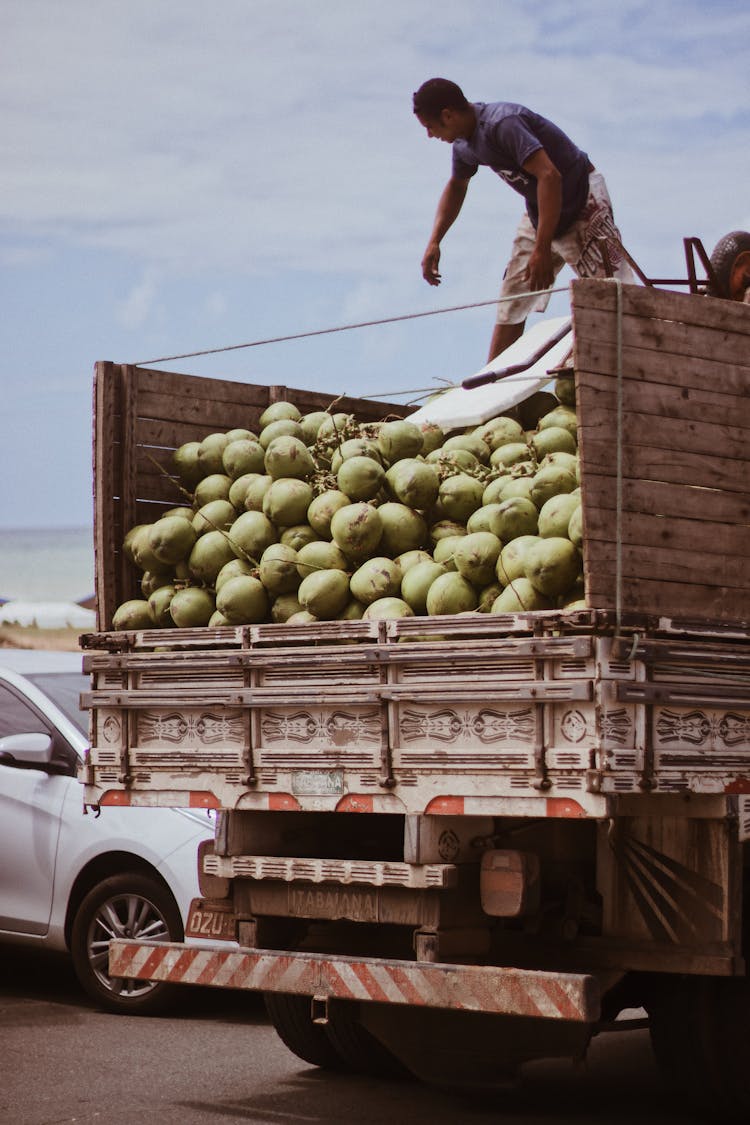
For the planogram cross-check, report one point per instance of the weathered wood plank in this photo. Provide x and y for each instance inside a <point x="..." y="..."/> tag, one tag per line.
<point x="660" y="498"/>
<point x="679" y="341"/>
<point x="664" y="564"/>
<point x="672" y="599"/>
<point x="638" y="529"/>
<point x="645" y="365"/>
<point x="651" y="463"/>
<point x="662" y="304"/>
<point x="705" y="402"/>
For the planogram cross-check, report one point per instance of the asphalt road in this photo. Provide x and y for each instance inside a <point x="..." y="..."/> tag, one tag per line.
<point x="217" y="1061"/>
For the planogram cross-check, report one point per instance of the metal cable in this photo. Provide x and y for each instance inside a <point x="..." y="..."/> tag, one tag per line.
<point x="348" y="327"/>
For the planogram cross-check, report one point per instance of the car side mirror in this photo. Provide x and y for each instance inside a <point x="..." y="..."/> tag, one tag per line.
<point x="26" y="750"/>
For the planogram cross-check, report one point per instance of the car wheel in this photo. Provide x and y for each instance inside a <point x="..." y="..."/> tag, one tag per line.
<point x="124" y="906"/>
<point x="730" y="261"/>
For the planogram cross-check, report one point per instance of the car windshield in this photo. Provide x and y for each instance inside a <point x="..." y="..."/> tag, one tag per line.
<point x="64" y="689"/>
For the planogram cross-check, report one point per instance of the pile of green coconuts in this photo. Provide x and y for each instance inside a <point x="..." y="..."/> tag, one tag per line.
<point x="318" y="517"/>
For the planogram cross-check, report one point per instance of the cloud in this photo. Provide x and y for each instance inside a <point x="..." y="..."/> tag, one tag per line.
<point x="139" y="304"/>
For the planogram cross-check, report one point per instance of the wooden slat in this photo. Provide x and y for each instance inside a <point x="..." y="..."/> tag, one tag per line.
<point x="693" y="600"/>
<point x="663" y="305"/>
<point x="107" y="470"/>
<point x="659" y="498"/>
<point x="665" y="564"/>
<point x="666" y="463"/>
<point x="645" y="365"/>
<point x="707" y="537"/>
<point x="717" y="405"/>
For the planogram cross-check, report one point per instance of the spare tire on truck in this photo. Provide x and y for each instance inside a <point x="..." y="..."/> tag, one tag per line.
<point x="730" y="262"/>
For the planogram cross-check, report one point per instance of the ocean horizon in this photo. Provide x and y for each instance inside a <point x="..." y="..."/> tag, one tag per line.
<point x="46" y="564"/>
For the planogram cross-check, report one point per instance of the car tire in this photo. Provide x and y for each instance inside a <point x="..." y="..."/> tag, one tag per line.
<point x="129" y="905"/>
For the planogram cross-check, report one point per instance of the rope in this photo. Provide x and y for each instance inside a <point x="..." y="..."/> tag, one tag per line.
<point x="347" y="327"/>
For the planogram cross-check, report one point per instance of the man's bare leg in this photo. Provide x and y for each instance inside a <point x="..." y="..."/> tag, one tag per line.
<point x="503" y="336"/>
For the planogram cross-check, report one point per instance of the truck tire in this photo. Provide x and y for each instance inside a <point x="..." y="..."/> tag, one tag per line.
<point x="292" y="1019"/>
<point x="730" y="261"/>
<point x="129" y="905"/>
<point x="700" y="1032"/>
<point x="360" y="1050"/>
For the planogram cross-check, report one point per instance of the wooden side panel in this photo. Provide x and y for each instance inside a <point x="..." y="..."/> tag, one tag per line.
<point x="673" y="539"/>
<point x="140" y="417"/>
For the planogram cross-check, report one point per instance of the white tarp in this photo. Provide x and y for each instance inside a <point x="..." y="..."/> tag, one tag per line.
<point x="459" y="407"/>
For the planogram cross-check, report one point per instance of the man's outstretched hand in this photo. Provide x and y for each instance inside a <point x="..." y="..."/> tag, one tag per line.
<point x="431" y="263"/>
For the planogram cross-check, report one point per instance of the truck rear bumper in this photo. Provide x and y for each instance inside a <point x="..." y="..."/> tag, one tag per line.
<point x="504" y="991"/>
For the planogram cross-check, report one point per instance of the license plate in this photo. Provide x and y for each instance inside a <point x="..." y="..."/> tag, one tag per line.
<point x="318" y="783"/>
<point x="210" y="922"/>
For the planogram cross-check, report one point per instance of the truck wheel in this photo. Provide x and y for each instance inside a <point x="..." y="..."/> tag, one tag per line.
<point x="700" y="1032"/>
<point x="130" y="905"/>
<point x="292" y="1019"/>
<point x="730" y="261"/>
<point x="359" y="1049"/>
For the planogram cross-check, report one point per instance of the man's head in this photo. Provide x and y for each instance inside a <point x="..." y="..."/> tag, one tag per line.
<point x="442" y="108"/>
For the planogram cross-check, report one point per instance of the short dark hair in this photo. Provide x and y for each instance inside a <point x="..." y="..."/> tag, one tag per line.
<point x="437" y="94"/>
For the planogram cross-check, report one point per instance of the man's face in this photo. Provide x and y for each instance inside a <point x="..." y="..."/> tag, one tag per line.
<point x="446" y="127"/>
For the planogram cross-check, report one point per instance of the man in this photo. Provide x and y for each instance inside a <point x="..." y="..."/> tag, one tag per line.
<point x="568" y="209"/>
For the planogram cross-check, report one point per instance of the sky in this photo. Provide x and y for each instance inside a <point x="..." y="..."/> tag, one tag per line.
<point x="179" y="176"/>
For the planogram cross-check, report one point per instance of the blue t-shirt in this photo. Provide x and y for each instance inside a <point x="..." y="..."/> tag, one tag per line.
<point x="506" y="135"/>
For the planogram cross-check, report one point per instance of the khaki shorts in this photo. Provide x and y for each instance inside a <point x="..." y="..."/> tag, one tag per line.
<point x="579" y="247"/>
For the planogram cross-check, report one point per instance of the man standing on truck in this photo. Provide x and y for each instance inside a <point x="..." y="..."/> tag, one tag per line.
<point x="568" y="210"/>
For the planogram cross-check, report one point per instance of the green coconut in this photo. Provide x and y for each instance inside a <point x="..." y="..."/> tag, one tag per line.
<point x="486" y="518"/>
<point x="416" y="583"/>
<point x="132" y="614"/>
<point x="216" y="515"/>
<point x="185" y="461"/>
<point x="432" y="437"/>
<point x="414" y="482"/>
<point x="282" y="427"/>
<point x="239" y="433"/>
<point x="445" y="529"/>
<point x="473" y="443"/>
<point x="387" y="609"/>
<point x="460" y="495"/>
<point x="213" y="487"/>
<point x="217" y="620"/>
<point x="565" y="389"/>
<point x="171" y="538"/>
<point x="243" y="600"/>
<point x="242" y="456"/>
<point x="399" y="439"/>
<point x="143" y="554"/>
<point x="320" y="512"/>
<point x="319" y="555"/>
<point x="185" y="513"/>
<point x="194" y="606"/>
<point x="151" y="582"/>
<point x="510" y="453"/>
<point x="510" y="564"/>
<point x="450" y="593"/>
<point x="324" y="593"/>
<point x="210" y="453"/>
<point x="357" y="529"/>
<point x="360" y="478"/>
<point x="232" y="569"/>
<point x="552" y="566"/>
<point x="404" y="529"/>
<point x="561" y="460"/>
<point x="378" y="577"/>
<point x="407" y="559"/>
<point x="311" y="424"/>
<point x="278" y="411"/>
<point x="352" y="611"/>
<point x="354" y="447"/>
<point x="445" y="549"/>
<point x="517" y="486"/>
<point x="255" y="493"/>
<point x="286" y="501"/>
<point x="278" y="569"/>
<point x="519" y="597"/>
<point x="561" y="416"/>
<point x="492" y="492"/>
<point x="250" y="534"/>
<point x="555" y="513"/>
<point x="283" y="607"/>
<point x="288" y="457"/>
<point x="552" y="440"/>
<point x="476" y="555"/>
<point x="575" y="527"/>
<point x="455" y="459"/>
<point x="488" y="595"/>
<point x="210" y="553"/>
<point x="551" y="481"/>
<point x="517" y="516"/>
<point x="159" y="602"/>
<point x="302" y="617"/>
<point x="500" y="431"/>
<point x="239" y="488"/>
<point x="298" y="535"/>
<point x="336" y="427"/>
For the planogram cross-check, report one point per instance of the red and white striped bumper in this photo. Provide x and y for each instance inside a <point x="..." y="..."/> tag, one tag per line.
<point x="518" y="992"/>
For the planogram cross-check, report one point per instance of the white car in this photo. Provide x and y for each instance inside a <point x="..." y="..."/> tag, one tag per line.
<point x="71" y="880"/>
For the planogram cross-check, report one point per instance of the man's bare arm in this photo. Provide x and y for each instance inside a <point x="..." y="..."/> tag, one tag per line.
<point x="448" y="209"/>
<point x="549" y="202"/>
